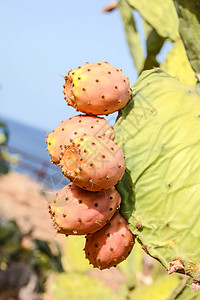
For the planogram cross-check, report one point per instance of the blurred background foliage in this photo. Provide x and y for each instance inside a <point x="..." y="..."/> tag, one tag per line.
<point x="3" y="147"/>
<point x="138" y="277"/>
<point x="23" y="257"/>
<point x="6" y="158"/>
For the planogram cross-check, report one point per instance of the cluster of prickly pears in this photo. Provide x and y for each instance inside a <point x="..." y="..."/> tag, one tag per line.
<point x="84" y="149"/>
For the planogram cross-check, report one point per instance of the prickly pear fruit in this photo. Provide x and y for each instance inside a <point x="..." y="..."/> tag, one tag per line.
<point x="97" y="88"/>
<point x="110" y="245"/>
<point x="93" y="163"/>
<point x="76" y="211"/>
<point x="76" y="127"/>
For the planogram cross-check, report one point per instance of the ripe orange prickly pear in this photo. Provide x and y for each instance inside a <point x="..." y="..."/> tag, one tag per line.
<point x="110" y="245"/>
<point x="93" y="163"/>
<point x="76" y="211"/>
<point x="97" y="88"/>
<point x="76" y="127"/>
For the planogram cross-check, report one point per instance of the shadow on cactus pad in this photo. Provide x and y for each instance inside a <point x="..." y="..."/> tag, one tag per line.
<point x="126" y="189"/>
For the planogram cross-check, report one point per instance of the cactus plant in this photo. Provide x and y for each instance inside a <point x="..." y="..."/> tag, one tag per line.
<point x="159" y="131"/>
<point x="189" y="27"/>
<point x="173" y="21"/>
<point x="160" y="15"/>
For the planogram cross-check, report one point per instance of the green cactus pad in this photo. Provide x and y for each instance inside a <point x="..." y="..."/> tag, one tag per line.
<point x="161" y="15"/>
<point x="159" y="131"/>
<point x="132" y="35"/>
<point x="76" y="286"/>
<point x="189" y="28"/>
<point x="73" y="255"/>
<point x="177" y="64"/>
<point x="161" y="289"/>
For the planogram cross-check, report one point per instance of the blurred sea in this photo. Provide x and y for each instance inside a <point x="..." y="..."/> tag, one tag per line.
<point x="28" y="143"/>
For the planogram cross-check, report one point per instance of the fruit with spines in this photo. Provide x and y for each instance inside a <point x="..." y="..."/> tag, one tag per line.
<point x="74" y="127"/>
<point x="93" y="163"/>
<point x="110" y="245"/>
<point x="78" y="212"/>
<point x="97" y="88"/>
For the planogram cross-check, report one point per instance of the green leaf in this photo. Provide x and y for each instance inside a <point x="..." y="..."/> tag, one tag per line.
<point x="132" y="35"/>
<point x="189" y="16"/>
<point x="176" y="64"/>
<point x="161" y="15"/>
<point x="80" y="287"/>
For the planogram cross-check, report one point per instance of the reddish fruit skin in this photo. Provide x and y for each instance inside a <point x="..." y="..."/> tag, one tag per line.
<point x="93" y="163"/>
<point x="80" y="212"/>
<point x="110" y="245"/>
<point x="97" y="88"/>
<point x="76" y="127"/>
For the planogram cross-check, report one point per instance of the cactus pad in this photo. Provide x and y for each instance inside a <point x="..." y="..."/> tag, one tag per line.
<point x="159" y="131"/>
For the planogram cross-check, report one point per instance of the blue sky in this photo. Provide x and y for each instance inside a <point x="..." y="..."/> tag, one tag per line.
<point x="42" y="40"/>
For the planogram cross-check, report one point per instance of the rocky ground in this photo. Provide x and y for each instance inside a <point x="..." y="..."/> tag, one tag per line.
<point x="26" y="200"/>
